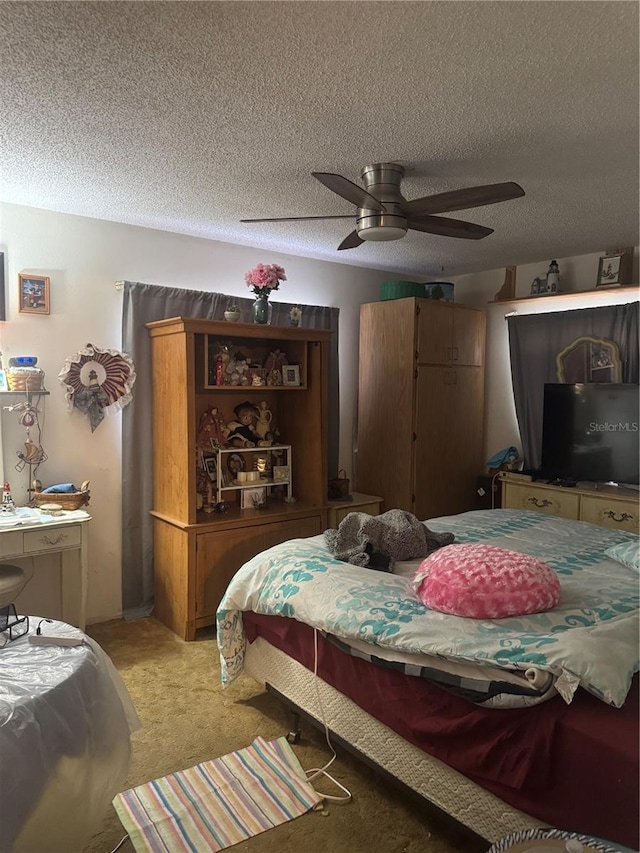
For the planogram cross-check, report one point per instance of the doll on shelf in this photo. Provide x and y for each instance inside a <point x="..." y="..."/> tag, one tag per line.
<point x="212" y="431"/>
<point x="242" y="430"/>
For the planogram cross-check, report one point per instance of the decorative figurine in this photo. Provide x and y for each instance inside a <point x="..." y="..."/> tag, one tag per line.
<point x="8" y="504"/>
<point x="265" y="417"/>
<point x="242" y="430"/>
<point x="212" y="432"/>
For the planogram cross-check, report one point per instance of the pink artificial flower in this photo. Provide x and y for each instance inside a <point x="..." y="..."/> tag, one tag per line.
<point x="264" y="278"/>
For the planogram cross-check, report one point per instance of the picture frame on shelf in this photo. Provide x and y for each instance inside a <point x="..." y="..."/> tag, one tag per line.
<point x="235" y="464"/>
<point x="281" y="473"/>
<point x="33" y="293"/>
<point x="211" y="467"/>
<point x="614" y="268"/>
<point x="291" y="374"/>
<point x="254" y="498"/>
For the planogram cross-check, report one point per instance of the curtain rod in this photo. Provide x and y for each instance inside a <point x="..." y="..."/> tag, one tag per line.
<point x="119" y="285"/>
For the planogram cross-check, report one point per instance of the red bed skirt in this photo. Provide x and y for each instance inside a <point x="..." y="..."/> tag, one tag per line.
<point x="573" y="766"/>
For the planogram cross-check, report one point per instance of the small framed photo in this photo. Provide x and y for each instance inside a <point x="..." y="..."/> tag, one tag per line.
<point x="254" y="498"/>
<point x="235" y="464"/>
<point x="211" y="467"/>
<point x="281" y="473"/>
<point x="291" y="374"/>
<point x="33" y="294"/>
<point x="615" y="268"/>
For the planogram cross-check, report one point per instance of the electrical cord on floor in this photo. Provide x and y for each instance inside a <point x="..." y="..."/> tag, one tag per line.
<point x="315" y="772"/>
<point x="120" y="843"/>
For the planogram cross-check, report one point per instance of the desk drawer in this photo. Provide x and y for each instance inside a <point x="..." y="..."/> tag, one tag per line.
<point x="619" y="515"/>
<point x="69" y="536"/>
<point x="11" y="543"/>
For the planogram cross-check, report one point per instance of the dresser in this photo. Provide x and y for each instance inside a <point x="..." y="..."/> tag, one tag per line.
<point x="607" y="506"/>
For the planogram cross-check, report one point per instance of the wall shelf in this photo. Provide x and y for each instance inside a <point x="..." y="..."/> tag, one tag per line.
<point x="41" y="393"/>
<point x="595" y="294"/>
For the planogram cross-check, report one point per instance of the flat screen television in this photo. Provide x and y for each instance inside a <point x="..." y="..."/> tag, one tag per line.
<point x="590" y="432"/>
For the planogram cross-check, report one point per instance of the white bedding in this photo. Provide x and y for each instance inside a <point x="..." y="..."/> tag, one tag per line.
<point x="590" y="638"/>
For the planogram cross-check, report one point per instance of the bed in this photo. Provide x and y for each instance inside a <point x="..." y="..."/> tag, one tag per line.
<point x="504" y="724"/>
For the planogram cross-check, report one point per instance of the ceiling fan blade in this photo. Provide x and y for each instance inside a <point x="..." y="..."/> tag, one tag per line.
<point x="297" y="218"/>
<point x="351" y="241"/>
<point x="347" y="189"/>
<point x="464" y="199"/>
<point x="448" y="227"/>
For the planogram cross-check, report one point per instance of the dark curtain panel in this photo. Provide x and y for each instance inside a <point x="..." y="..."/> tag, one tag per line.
<point x="534" y="343"/>
<point x="142" y="304"/>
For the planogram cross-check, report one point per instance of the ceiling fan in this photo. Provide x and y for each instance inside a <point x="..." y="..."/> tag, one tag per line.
<point x="384" y="214"/>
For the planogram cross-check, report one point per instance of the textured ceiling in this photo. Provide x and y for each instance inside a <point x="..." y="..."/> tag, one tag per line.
<point x="191" y="116"/>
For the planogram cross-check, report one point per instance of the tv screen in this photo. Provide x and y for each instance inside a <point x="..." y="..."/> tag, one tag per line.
<point x="590" y="432"/>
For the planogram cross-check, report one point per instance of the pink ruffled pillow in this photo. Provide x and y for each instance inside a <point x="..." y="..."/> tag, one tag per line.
<point x="485" y="582"/>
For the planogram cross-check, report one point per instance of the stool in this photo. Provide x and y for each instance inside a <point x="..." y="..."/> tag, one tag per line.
<point x="13" y="579"/>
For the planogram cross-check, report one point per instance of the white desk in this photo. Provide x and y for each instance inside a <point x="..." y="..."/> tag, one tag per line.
<point x="32" y="533"/>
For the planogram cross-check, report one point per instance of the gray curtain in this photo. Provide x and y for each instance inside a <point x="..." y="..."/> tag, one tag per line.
<point x="534" y="342"/>
<point x="142" y="304"/>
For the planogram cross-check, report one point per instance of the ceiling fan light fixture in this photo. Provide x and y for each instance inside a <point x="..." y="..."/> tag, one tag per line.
<point x="381" y="233"/>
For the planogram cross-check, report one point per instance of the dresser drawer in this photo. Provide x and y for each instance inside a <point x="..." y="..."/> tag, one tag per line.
<point x="619" y="515"/>
<point x="549" y="501"/>
<point x="69" y="536"/>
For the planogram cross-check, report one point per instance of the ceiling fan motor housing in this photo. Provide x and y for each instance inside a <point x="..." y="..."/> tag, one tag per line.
<point x="383" y="182"/>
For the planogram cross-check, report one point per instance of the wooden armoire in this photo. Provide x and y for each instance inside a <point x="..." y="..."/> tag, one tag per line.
<point x="420" y="404"/>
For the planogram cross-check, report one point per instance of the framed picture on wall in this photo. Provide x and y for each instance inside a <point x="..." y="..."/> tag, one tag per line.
<point x="614" y="269"/>
<point x="33" y="295"/>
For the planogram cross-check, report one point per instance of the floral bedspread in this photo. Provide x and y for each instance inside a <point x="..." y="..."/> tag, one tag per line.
<point x="589" y="639"/>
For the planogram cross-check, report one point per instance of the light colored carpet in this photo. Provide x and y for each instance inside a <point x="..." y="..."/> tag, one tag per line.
<point x="188" y="718"/>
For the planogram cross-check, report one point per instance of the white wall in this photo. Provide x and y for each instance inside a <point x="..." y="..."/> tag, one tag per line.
<point x="576" y="274"/>
<point x="84" y="258"/>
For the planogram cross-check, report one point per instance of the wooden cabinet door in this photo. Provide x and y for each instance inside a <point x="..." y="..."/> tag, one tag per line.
<point x="468" y="337"/>
<point x="220" y="554"/>
<point x="450" y="334"/>
<point x="432" y="471"/>
<point x="435" y="332"/>
<point x="449" y="440"/>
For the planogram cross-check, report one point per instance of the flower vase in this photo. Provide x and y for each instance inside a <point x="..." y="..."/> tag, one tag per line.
<point x="262" y="309"/>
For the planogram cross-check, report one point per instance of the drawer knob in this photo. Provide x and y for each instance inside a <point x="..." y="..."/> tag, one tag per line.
<point x="624" y="516"/>
<point x="541" y="503"/>
<point x="59" y="538"/>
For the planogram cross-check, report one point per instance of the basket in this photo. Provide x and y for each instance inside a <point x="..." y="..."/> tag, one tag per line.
<point x="339" y="486"/>
<point x="66" y="500"/>
<point x="25" y="378"/>
<point x="400" y="289"/>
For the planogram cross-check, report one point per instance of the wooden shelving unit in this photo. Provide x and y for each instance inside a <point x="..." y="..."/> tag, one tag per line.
<point x="596" y="295"/>
<point x="196" y="553"/>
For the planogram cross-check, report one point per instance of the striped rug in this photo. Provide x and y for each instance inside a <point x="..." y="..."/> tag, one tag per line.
<point x="218" y="803"/>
